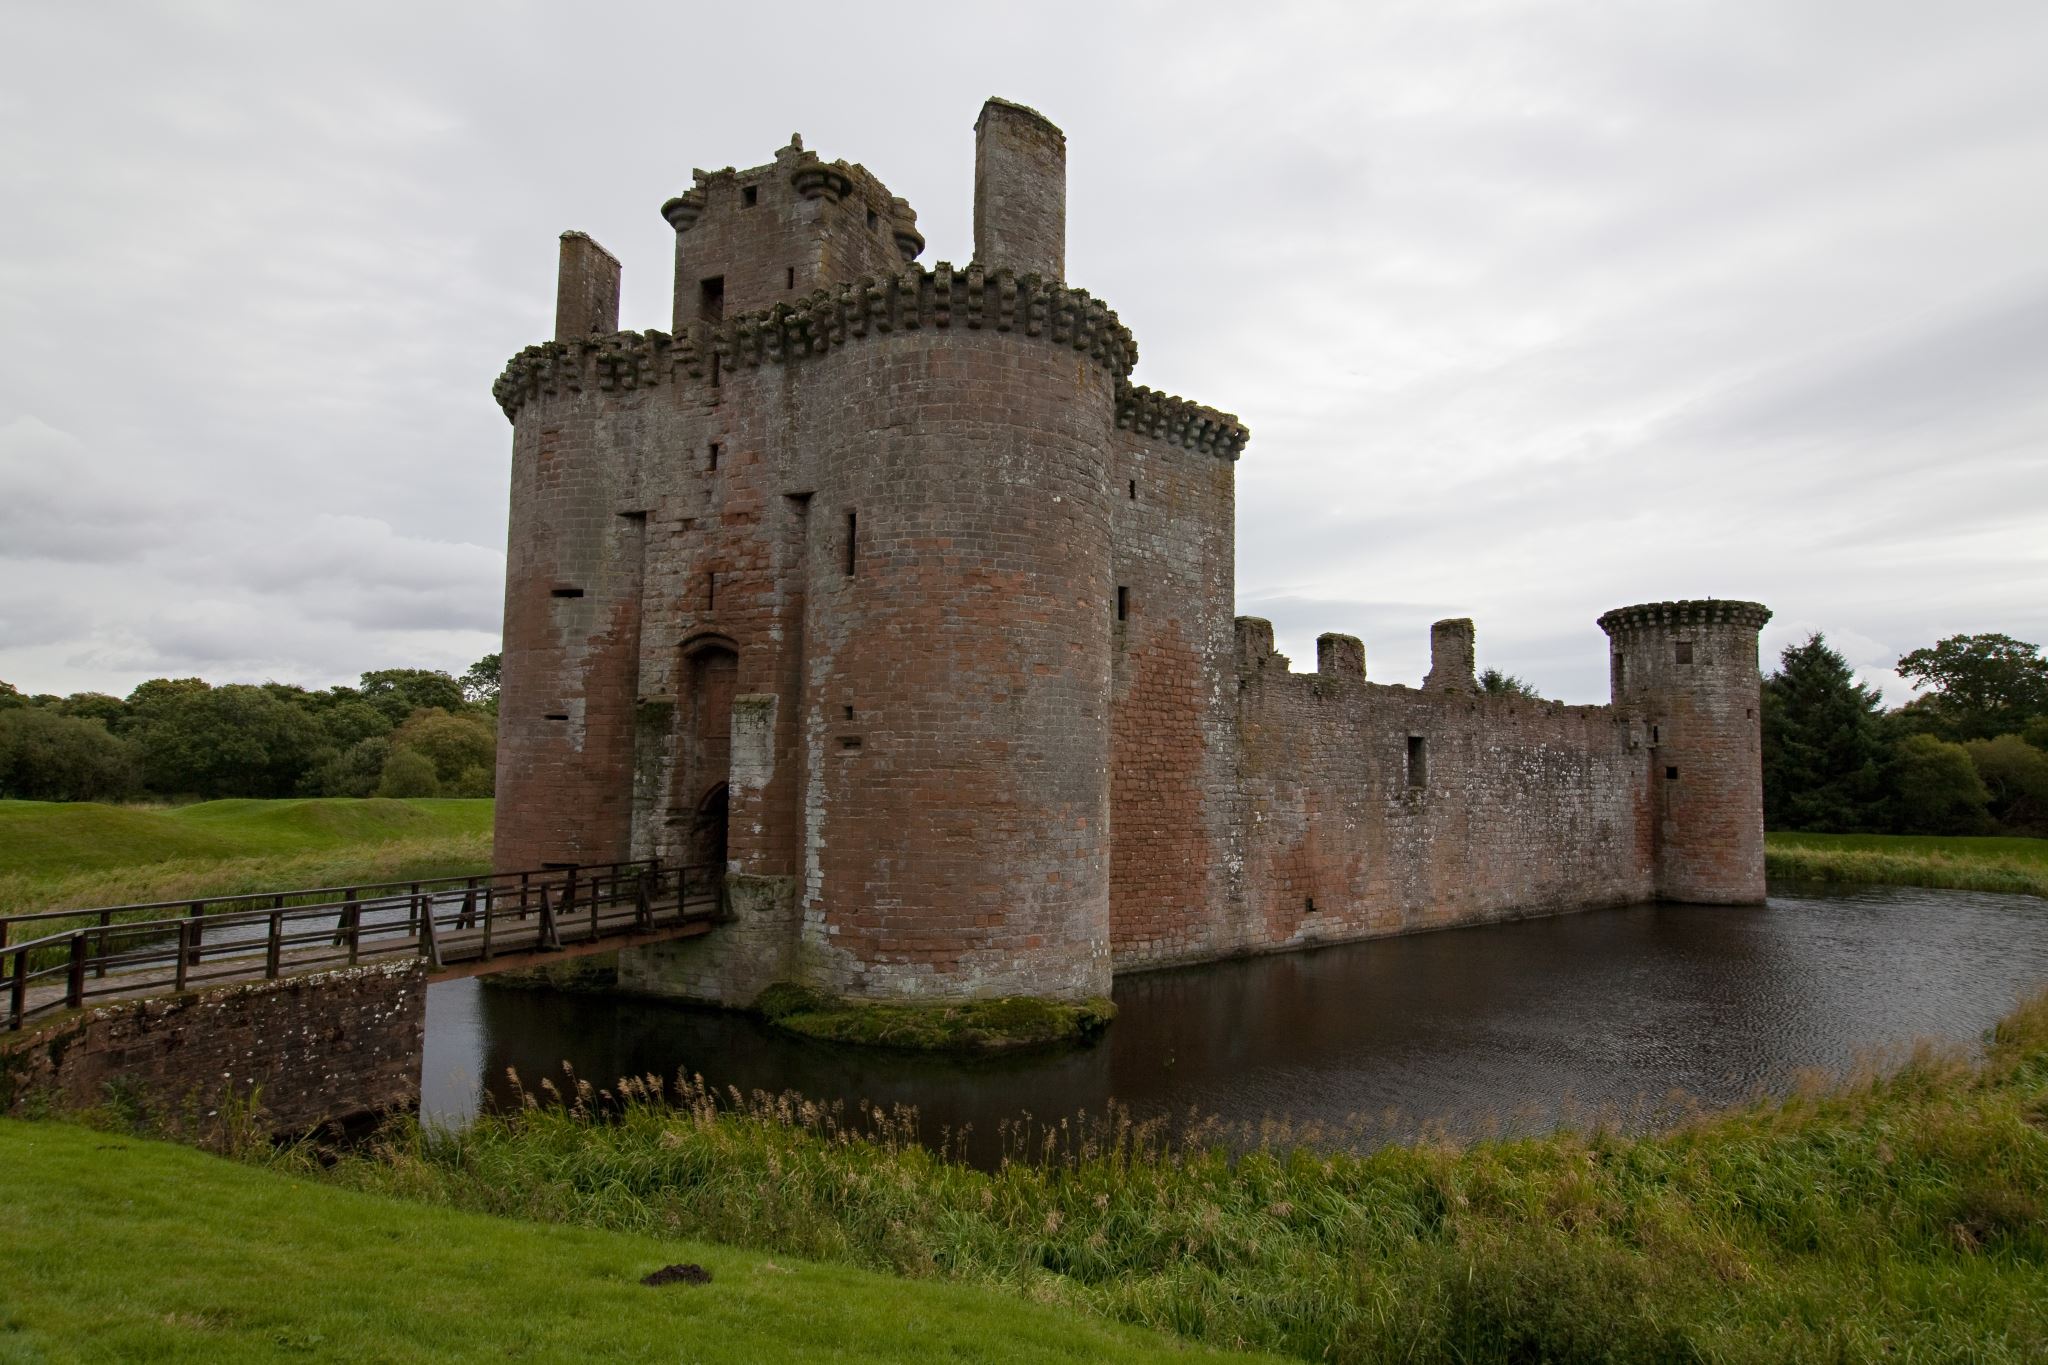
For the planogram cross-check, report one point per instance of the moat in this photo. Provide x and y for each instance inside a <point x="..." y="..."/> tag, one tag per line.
<point x="1510" y="1025"/>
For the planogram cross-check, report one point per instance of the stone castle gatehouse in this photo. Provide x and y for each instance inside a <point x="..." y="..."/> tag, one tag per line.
<point x="882" y="587"/>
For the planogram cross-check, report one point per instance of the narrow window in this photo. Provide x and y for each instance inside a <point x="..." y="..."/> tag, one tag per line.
<point x="1685" y="651"/>
<point x="791" y="283"/>
<point x="849" y="713"/>
<point x="710" y="591"/>
<point x="1653" y="735"/>
<point x="872" y="219"/>
<point x="852" y="541"/>
<point x="566" y="592"/>
<point x="1671" y="774"/>
<point x="1418" y="761"/>
<point x="1123" y="603"/>
<point x="556" y="715"/>
<point x="711" y="457"/>
<point x="1134" y="490"/>
<point x="849" y="741"/>
<point x="1620" y="672"/>
<point x="750" y="196"/>
<point x="711" y="299"/>
<point x="1308" y="905"/>
<point x="714" y="369"/>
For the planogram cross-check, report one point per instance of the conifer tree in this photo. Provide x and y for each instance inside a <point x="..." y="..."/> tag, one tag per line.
<point x="1823" y="746"/>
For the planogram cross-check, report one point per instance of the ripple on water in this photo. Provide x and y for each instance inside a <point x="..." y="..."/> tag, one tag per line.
<point x="1510" y="1024"/>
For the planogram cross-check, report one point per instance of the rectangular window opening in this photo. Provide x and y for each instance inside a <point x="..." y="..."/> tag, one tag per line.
<point x="1123" y="603"/>
<point x="1134" y="490"/>
<point x="711" y="299"/>
<point x="849" y="741"/>
<point x="852" y="542"/>
<point x="1418" y="761"/>
<point x="556" y="715"/>
<point x="1685" y="651"/>
<point x="1671" y="774"/>
<point x="1620" y="672"/>
<point x="714" y="369"/>
<point x="849" y="713"/>
<point x="873" y="220"/>
<point x="710" y="591"/>
<point x="711" y="457"/>
<point x="566" y="592"/>
<point x="1654" y="735"/>
<point x="750" y="196"/>
<point x="792" y="278"/>
<point x="1308" y="905"/>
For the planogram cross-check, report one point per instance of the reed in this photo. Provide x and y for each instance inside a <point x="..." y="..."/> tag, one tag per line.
<point x="1907" y="867"/>
<point x="1899" y="1212"/>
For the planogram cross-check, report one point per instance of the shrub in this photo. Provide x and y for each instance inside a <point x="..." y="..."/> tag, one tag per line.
<point x="1935" y="788"/>
<point x="2016" y="775"/>
<point x="46" y="756"/>
<point x="408" y="772"/>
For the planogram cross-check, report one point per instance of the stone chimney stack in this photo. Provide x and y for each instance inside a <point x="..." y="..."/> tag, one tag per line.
<point x="1020" y="191"/>
<point x="1450" y="655"/>
<point x="586" y="289"/>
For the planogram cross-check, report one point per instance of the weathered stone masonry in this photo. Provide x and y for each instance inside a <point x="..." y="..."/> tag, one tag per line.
<point x="885" y="589"/>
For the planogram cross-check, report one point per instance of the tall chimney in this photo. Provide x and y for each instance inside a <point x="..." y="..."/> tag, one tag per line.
<point x="586" y="290"/>
<point x="1020" y="191"/>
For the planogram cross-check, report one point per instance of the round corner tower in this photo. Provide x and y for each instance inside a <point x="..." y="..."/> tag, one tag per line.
<point x="1687" y="672"/>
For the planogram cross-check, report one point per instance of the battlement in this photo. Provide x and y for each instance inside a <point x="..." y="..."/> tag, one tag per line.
<point x="1691" y="612"/>
<point x="939" y="298"/>
<point x="1180" y="422"/>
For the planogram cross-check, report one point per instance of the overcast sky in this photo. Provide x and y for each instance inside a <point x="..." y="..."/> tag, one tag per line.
<point x="1533" y="310"/>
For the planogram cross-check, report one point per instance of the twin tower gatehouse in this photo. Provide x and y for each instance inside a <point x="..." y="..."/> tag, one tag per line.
<point x="883" y="589"/>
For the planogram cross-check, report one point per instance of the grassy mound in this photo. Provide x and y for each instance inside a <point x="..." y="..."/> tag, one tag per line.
<point x="122" y="1249"/>
<point x="1901" y="1215"/>
<point x="1011" y="1022"/>
<point x="61" y="855"/>
<point x="1955" y="863"/>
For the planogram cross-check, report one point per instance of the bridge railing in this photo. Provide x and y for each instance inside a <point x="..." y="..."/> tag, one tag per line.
<point x="127" y="951"/>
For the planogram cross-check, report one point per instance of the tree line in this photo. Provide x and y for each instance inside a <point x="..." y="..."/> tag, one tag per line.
<point x="399" y="732"/>
<point x="1968" y="756"/>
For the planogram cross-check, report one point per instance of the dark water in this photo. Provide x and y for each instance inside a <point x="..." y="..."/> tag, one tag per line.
<point x="1512" y="1025"/>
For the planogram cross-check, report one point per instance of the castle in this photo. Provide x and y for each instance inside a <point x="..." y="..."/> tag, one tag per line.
<point x="882" y="588"/>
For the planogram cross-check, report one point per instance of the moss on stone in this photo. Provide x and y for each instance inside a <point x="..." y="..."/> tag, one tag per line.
<point x="999" y="1025"/>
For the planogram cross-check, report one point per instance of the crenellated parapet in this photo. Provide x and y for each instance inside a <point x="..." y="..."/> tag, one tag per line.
<point x="1701" y="611"/>
<point x="939" y="298"/>
<point x="1177" y="421"/>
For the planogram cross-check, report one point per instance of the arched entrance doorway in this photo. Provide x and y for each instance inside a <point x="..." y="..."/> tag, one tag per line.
<point x="707" y="830"/>
<point x="704" y="765"/>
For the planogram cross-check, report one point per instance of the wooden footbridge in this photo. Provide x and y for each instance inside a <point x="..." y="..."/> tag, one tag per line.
<point x="58" y="960"/>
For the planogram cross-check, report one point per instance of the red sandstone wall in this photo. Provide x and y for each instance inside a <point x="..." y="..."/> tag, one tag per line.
<point x="309" y="1049"/>
<point x="572" y="636"/>
<point x="1173" y="720"/>
<point x="809" y="224"/>
<point x="1528" y="807"/>
<point x="957" y="819"/>
<point x="1688" y="671"/>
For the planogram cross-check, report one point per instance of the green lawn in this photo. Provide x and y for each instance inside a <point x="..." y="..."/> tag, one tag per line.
<point x="1952" y="861"/>
<point x="1950" y="845"/>
<point x="59" y="855"/>
<point x="129" y="1250"/>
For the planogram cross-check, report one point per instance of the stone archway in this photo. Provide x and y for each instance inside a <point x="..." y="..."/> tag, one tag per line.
<point x="704" y="766"/>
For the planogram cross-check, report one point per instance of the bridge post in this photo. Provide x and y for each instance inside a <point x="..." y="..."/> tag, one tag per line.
<point x="17" y="994"/>
<point x="546" y="938"/>
<point x="273" y="949"/>
<point x="184" y="953"/>
<point x="74" y="984"/>
<point x="430" y="942"/>
<point x="198" y="931"/>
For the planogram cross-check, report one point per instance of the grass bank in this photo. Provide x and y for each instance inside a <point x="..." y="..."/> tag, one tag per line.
<point x="1902" y="1215"/>
<point x="59" y="855"/>
<point x="123" y="1249"/>
<point x="1951" y="862"/>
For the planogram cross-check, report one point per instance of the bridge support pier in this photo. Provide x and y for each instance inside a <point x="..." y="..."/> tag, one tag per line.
<point x="326" y="1048"/>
